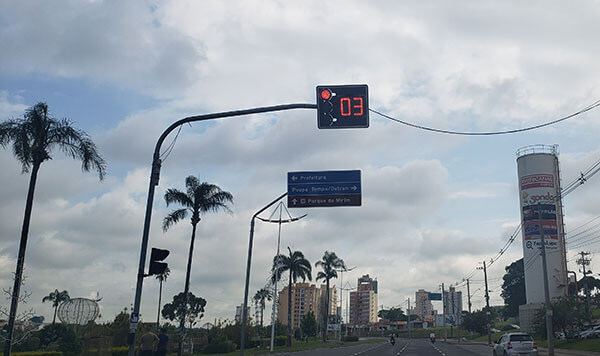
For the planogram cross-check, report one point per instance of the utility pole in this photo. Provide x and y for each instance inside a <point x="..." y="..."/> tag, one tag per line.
<point x="408" y="318"/>
<point x="584" y="261"/>
<point x="444" y="313"/>
<point x="469" y="296"/>
<point x="487" y="304"/>
<point x="549" y="329"/>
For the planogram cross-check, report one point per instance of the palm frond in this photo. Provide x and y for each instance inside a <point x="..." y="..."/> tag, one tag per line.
<point x="192" y="183"/>
<point x="77" y="144"/>
<point x="210" y="198"/>
<point x="173" y="195"/>
<point x="174" y="217"/>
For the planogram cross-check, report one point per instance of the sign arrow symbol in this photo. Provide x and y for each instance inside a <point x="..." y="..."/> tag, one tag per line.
<point x="294" y="201"/>
<point x="294" y="178"/>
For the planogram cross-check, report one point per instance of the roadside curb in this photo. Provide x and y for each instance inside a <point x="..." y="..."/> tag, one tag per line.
<point x="563" y="352"/>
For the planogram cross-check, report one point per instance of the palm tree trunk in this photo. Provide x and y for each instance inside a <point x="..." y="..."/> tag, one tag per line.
<point x="289" y="326"/>
<point x="54" y="318"/>
<point x="186" y="291"/>
<point x="21" y="259"/>
<point x="326" y="313"/>
<point x="159" y="297"/>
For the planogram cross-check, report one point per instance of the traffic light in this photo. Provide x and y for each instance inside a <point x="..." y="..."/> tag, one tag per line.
<point x="157" y="267"/>
<point x="342" y="106"/>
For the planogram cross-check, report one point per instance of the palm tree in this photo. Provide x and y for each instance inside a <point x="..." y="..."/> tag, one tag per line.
<point x="199" y="199"/>
<point x="329" y="263"/>
<point x="261" y="296"/>
<point x="56" y="298"/>
<point x="34" y="138"/>
<point x="298" y="267"/>
<point x="162" y="278"/>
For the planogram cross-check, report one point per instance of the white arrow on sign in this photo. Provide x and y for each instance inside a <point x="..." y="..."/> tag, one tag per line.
<point x="294" y="201"/>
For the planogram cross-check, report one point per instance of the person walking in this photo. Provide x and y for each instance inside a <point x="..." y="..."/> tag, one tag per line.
<point x="163" y="339"/>
<point x="148" y="342"/>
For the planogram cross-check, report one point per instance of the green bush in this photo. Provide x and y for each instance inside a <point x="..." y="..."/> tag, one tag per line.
<point x="222" y="347"/>
<point x="280" y="340"/>
<point x="119" y="351"/>
<point x="350" y="338"/>
<point x="37" y="353"/>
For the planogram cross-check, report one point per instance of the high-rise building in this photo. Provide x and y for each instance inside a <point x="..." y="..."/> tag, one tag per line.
<point x="238" y="313"/>
<point x="363" y="302"/>
<point x="423" y="306"/>
<point x="305" y="299"/>
<point x="453" y="305"/>
<point x="332" y="300"/>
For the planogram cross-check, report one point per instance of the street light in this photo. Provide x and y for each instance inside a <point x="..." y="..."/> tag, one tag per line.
<point x="342" y="270"/>
<point x="154" y="177"/>
<point x="279" y="221"/>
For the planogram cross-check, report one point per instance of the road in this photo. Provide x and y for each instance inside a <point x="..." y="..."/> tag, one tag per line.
<point x="404" y="347"/>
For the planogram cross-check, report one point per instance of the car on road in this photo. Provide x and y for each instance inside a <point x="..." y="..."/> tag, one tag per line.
<point x="511" y="344"/>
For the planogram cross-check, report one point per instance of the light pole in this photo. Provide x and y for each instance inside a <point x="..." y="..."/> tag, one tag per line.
<point x="281" y="206"/>
<point x="342" y="296"/>
<point x="154" y="178"/>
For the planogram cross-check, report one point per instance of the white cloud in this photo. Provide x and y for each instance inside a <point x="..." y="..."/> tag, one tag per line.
<point x="433" y="205"/>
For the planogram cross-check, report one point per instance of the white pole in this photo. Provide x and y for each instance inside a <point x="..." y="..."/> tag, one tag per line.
<point x="275" y="296"/>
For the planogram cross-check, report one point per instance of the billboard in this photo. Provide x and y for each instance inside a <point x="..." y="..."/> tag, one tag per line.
<point x="539" y="189"/>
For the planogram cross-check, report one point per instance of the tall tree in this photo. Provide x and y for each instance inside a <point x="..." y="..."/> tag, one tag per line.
<point x="260" y="298"/>
<point x="298" y="267"/>
<point x="34" y="138"/>
<point x="56" y="298"/>
<point x="392" y="314"/>
<point x="199" y="199"/>
<point x="184" y="308"/>
<point x="513" y="287"/>
<point x="308" y="325"/>
<point x="328" y="263"/>
<point x="161" y="278"/>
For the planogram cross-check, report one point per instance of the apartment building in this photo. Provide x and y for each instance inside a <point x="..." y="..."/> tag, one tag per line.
<point x="305" y="298"/>
<point x="453" y="305"/>
<point x="363" y="302"/>
<point x="423" y="306"/>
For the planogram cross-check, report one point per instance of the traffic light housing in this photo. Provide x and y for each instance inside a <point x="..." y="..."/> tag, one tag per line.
<point x="342" y="106"/>
<point x="157" y="267"/>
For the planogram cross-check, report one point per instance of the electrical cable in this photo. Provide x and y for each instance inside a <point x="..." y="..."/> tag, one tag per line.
<point x="489" y="133"/>
<point x="580" y="226"/>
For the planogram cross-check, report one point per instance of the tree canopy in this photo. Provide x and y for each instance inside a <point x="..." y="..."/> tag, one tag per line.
<point x="176" y="311"/>
<point x="513" y="287"/>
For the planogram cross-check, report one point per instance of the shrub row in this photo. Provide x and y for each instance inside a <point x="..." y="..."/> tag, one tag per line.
<point x="350" y="338"/>
<point x="37" y="353"/>
<point x="220" y="347"/>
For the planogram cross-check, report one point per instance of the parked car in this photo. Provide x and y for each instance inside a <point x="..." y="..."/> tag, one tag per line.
<point x="515" y="344"/>
<point x="591" y="333"/>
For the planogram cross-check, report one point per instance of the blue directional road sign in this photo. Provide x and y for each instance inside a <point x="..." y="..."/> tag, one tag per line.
<point x="435" y="296"/>
<point x="324" y="189"/>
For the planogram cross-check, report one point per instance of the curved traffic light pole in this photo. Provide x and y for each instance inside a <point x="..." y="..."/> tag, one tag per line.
<point x="154" y="178"/>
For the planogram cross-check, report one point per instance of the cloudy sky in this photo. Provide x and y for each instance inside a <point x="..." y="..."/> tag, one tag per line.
<point x="434" y="205"/>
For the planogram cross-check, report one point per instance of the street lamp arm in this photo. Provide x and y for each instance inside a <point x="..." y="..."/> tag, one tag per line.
<point x="224" y="114"/>
<point x="281" y="221"/>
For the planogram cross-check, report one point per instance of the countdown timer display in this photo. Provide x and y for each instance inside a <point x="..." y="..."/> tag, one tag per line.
<point x="342" y="106"/>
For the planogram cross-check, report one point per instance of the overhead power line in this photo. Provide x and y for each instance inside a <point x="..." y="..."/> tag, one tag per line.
<point x="488" y="133"/>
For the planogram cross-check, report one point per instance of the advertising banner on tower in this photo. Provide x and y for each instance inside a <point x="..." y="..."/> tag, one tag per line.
<point x="539" y="187"/>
